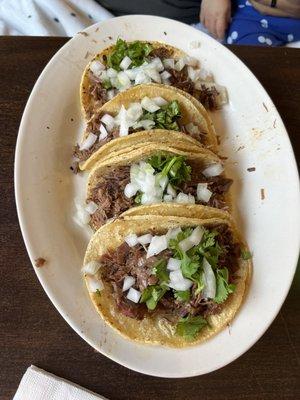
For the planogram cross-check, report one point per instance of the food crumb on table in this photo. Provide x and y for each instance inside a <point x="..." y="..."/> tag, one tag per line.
<point x="40" y="262"/>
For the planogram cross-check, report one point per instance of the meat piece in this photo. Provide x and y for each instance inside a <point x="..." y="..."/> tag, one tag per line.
<point x="109" y="195"/>
<point x="218" y="185"/>
<point x="83" y="155"/>
<point x="161" y="52"/>
<point x="97" y="94"/>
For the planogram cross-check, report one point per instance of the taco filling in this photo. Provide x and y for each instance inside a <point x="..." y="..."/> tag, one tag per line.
<point x="150" y="113"/>
<point x="160" y="178"/>
<point x="139" y="62"/>
<point x="182" y="276"/>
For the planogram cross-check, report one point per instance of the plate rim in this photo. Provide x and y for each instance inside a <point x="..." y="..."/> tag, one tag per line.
<point x="26" y="235"/>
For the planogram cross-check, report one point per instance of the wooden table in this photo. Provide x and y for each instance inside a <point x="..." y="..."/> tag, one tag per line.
<point x="33" y="332"/>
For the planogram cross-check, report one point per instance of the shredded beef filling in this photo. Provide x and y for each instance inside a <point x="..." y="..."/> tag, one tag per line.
<point x="218" y="185"/>
<point x="111" y="200"/>
<point x="109" y="195"/>
<point x="132" y="261"/>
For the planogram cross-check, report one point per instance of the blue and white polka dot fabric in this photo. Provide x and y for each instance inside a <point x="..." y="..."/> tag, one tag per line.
<point x="250" y="27"/>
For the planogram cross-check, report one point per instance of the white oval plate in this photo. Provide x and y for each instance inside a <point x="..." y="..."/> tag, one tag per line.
<point x="252" y="136"/>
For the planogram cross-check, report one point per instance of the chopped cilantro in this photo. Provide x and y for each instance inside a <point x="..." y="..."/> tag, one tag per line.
<point x="160" y="271"/>
<point x="174" y="243"/>
<point x="198" y="279"/>
<point x="183" y="295"/>
<point x="189" y="326"/>
<point x="98" y="292"/>
<point x="223" y="287"/>
<point x="138" y="198"/>
<point x="188" y="266"/>
<point x="245" y="254"/>
<point x="174" y="167"/>
<point x="152" y="294"/>
<point x="164" y="118"/>
<point x="136" y="51"/>
<point x="107" y="84"/>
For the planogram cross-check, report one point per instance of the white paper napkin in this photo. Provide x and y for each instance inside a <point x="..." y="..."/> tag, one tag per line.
<point x="38" y="384"/>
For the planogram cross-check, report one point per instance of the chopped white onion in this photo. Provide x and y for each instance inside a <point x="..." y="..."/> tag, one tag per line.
<point x="172" y="233"/>
<point x="82" y="217"/>
<point x="130" y="189"/>
<point x="148" y="198"/>
<point x="178" y="282"/>
<point x="134" y="112"/>
<point x="109" y="122"/>
<point x="145" y="239"/>
<point x="111" y="94"/>
<point x="209" y="291"/>
<point x="97" y="67"/>
<point x="133" y="295"/>
<point x="103" y="132"/>
<point x="163" y="181"/>
<point x="180" y="64"/>
<point x="191" y="128"/>
<point x="88" y="142"/>
<point x="91" y="268"/>
<point x="191" y="199"/>
<point x="170" y="190"/>
<point x="123" y="79"/>
<point x="186" y="244"/>
<point x="124" y="64"/>
<point x="94" y="284"/>
<point x="203" y="194"/>
<point x="169" y="63"/>
<point x="153" y="74"/>
<point x="213" y="170"/>
<point x="196" y="235"/>
<point x="91" y="207"/>
<point x="128" y="282"/>
<point x="193" y="74"/>
<point x="182" y="198"/>
<point x="141" y="77"/>
<point x="168" y="198"/>
<point x="157" y="245"/>
<point x="166" y="81"/>
<point x="191" y="61"/>
<point x="132" y="73"/>
<point x="173" y="264"/>
<point x="158" y="65"/>
<point x="165" y="75"/>
<point x="146" y="124"/>
<point x="160" y="101"/>
<point x="121" y="117"/>
<point x="149" y="105"/>
<point x="131" y="240"/>
<point x="112" y="73"/>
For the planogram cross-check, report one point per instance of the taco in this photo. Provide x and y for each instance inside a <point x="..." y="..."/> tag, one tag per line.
<point x="127" y="64"/>
<point x="117" y="125"/>
<point x="155" y="174"/>
<point x="168" y="280"/>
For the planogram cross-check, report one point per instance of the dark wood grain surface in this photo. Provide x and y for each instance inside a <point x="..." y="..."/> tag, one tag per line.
<point x="32" y="331"/>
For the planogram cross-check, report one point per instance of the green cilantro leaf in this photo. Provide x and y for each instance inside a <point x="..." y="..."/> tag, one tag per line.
<point x="183" y="295"/>
<point x="151" y="295"/>
<point x="188" y="266"/>
<point x="174" y="243"/>
<point x="189" y="326"/>
<point x="160" y="271"/>
<point x="198" y="279"/>
<point x="138" y="198"/>
<point x="136" y="51"/>
<point x="98" y="292"/>
<point x="166" y="117"/>
<point x="223" y="287"/>
<point x="245" y="254"/>
<point x="107" y="84"/>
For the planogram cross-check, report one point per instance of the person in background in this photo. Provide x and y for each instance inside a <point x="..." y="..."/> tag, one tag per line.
<point x="261" y="22"/>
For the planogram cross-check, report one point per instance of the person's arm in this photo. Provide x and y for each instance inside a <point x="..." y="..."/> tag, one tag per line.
<point x="215" y="16"/>
<point x="284" y="8"/>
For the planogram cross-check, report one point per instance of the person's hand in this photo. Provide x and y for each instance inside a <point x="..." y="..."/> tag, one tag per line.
<point x="215" y="16"/>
